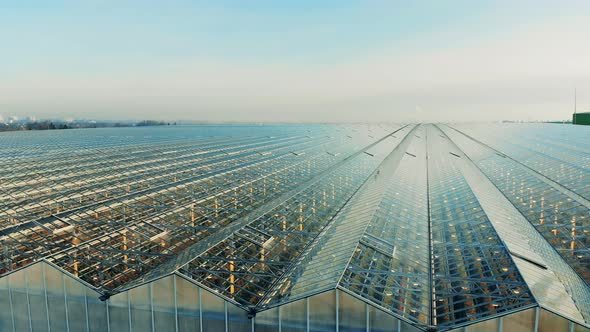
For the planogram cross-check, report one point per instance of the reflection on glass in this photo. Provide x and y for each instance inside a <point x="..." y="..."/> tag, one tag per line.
<point x="352" y="313"/>
<point x="549" y="322"/>
<point x="520" y="321"/>
<point x="187" y="302"/>
<point x="294" y="316"/>
<point x="322" y="312"/>
<point x="268" y="320"/>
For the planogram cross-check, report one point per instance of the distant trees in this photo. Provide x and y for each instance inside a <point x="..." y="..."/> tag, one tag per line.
<point x="151" y="123"/>
<point x="45" y="125"/>
<point x="52" y="124"/>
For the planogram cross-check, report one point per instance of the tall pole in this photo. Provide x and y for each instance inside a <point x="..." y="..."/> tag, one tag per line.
<point x="575" y="100"/>
<point x="575" y="105"/>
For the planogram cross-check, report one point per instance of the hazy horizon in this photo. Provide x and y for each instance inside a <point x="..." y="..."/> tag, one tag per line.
<point x="262" y="61"/>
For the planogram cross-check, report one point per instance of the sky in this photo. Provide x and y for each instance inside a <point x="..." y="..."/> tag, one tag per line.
<point x="295" y="61"/>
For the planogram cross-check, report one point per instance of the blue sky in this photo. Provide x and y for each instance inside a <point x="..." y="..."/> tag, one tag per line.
<point x="294" y="60"/>
<point x="311" y="32"/>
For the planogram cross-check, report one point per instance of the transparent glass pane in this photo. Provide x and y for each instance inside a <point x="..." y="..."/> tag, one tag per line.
<point x="97" y="311"/>
<point x="549" y="322"/>
<point x="20" y="302"/>
<point x="55" y="298"/>
<point x="322" y="312"/>
<point x="293" y="316"/>
<point x="76" y="295"/>
<point x="490" y="325"/>
<point x="187" y="300"/>
<point x="213" y="312"/>
<point x="20" y="309"/>
<point x="37" y="300"/>
<point x="380" y="321"/>
<point x="5" y="314"/>
<point x="267" y="321"/>
<point x="163" y="299"/>
<point x="352" y="313"/>
<point x="520" y="321"/>
<point x="18" y="280"/>
<point x="580" y="328"/>
<point x="119" y="312"/>
<point x="141" y="310"/>
<point x="405" y="327"/>
<point x="237" y="319"/>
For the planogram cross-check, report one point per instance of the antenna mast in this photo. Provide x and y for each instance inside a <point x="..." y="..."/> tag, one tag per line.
<point x="575" y="100"/>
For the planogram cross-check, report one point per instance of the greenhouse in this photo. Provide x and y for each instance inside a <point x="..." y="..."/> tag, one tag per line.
<point x="342" y="227"/>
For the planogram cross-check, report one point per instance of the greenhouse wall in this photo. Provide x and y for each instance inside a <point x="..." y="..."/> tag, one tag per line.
<point x="42" y="298"/>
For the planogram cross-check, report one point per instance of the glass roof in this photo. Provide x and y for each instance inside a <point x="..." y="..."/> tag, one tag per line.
<point x="438" y="225"/>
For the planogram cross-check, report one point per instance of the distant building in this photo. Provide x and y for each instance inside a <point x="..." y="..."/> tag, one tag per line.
<point x="581" y="118"/>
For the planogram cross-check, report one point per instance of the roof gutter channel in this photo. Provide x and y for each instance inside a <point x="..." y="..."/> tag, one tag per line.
<point x="431" y="293"/>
